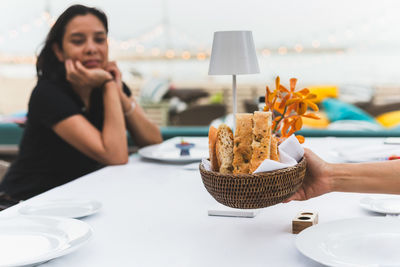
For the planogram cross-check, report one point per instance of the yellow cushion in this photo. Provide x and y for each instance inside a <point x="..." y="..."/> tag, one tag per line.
<point x="323" y="122"/>
<point x="324" y="91"/>
<point x="389" y="119"/>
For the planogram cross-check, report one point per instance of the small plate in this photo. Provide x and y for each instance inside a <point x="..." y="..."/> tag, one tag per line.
<point x="369" y="241"/>
<point x="67" y="208"/>
<point x="31" y="240"/>
<point x="168" y="152"/>
<point x="367" y="153"/>
<point x="389" y="205"/>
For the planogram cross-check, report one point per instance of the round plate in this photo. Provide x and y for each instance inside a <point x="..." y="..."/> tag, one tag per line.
<point x="389" y="205"/>
<point x="370" y="241"/>
<point x="68" y="208"/>
<point x="31" y="240"/>
<point x="367" y="153"/>
<point x="168" y="152"/>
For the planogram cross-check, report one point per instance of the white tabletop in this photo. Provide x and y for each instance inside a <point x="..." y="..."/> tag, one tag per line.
<point x="155" y="214"/>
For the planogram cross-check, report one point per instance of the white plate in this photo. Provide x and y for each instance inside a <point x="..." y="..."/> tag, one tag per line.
<point x="168" y="152"/>
<point x="367" y="153"/>
<point x="31" y="240"/>
<point x="390" y="205"/>
<point x="369" y="241"/>
<point x="68" y="208"/>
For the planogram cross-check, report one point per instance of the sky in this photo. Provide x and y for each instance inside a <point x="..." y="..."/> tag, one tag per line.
<point x="340" y="23"/>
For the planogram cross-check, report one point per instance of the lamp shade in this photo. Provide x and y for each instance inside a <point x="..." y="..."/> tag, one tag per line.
<point x="233" y="52"/>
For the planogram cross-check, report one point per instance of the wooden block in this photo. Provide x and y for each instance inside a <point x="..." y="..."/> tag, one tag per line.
<point x="303" y="220"/>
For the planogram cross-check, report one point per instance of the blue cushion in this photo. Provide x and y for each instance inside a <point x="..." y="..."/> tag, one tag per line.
<point x="337" y="110"/>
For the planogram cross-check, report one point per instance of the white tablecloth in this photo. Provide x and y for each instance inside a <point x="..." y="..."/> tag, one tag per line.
<point x="155" y="214"/>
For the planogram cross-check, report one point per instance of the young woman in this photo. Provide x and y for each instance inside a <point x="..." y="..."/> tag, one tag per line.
<point x="78" y="112"/>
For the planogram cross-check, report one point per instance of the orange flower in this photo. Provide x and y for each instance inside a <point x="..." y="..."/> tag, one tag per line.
<point x="288" y="107"/>
<point x="302" y="101"/>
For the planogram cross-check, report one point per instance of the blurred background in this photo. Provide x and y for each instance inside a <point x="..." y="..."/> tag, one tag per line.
<point x="347" y="50"/>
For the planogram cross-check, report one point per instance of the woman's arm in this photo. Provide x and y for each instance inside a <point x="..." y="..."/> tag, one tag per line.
<point x="322" y="177"/>
<point x="142" y="130"/>
<point x="374" y="177"/>
<point x="108" y="146"/>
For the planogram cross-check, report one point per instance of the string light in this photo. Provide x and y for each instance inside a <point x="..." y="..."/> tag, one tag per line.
<point x="266" y="52"/>
<point x="282" y="50"/>
<point x="111" y="41"/>
<point x="186" y="55"/>
<point x="201" y="56"/>
<point x="170" y="54"/>
<point x="298" y="48"/>
<point x="38" y="22"/>
<point x="316" y="44"/>
<point x="51" y="22"/>
<point x="124" y="45"/>
<point x="46" y="15"/>
<point x="200" y="51"/>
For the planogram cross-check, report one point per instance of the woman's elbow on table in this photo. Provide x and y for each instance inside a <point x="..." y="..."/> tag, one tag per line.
<point x="120" y="159"/>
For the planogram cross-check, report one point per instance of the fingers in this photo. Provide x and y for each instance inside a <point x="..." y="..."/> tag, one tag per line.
<point x="112" y="64"/>
<point x="79" y="75"/>
<point x="71" y="71"/>
<point x="81" y="69"/>
<point x="67" y="68"/>
<point x="293" y="197"/>
<point x="287" y="200"/>
<point x="114" y="70"/>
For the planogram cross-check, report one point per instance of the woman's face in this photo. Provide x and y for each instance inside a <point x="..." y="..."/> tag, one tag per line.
<point x="85" y="39"/>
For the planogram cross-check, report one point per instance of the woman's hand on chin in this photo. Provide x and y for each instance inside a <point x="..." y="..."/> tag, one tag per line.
<point x="80" y="76"/>
<point x="113" y="69"/>
<point x="116" y="73"/>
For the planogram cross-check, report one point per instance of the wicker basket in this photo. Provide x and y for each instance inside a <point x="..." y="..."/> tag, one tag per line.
<point x="252" y="191"/>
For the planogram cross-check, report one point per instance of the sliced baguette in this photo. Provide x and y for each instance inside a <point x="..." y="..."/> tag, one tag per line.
<point x="242" y="149"/>
<point x="212" y="140"/>
<point x="262" y="122"/>
<point x="224" y="148"/>
<point x="274" y="148"/>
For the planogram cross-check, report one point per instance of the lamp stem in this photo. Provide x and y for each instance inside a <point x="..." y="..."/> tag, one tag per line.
<point x="234" y="101"/>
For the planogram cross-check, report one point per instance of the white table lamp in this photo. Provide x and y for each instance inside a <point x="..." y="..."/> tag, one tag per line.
<point x="233" y="53"/>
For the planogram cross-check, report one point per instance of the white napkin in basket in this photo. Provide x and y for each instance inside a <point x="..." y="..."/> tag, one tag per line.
<point x="290" y="153"/>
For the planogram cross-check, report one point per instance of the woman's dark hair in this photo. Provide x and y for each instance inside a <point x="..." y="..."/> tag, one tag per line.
<point x="48" y="66"/>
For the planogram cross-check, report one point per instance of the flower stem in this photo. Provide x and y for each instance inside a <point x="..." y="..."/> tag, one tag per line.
<point x="279" y="121"/>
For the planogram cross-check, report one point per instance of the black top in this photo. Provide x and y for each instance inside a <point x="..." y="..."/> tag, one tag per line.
<point x="45" y="160"/>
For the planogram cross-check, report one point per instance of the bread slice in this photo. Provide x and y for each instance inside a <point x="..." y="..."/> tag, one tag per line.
<point x="274" y="148"/>
<point x="212" y="140"/>
<point x="242" y="150"/>
<point x="224" y="148"/>
<point x="262" y="122"/>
